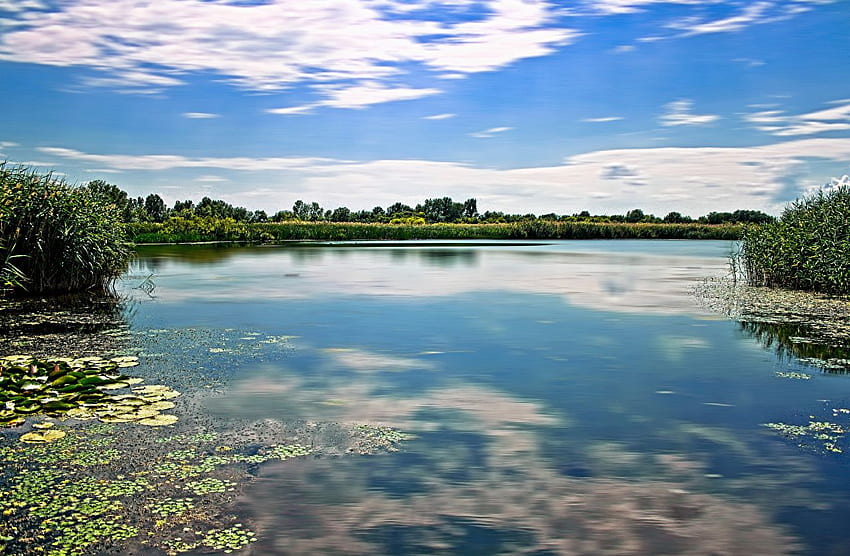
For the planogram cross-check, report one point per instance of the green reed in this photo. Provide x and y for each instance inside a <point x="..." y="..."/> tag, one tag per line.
<point x="176" y="230"/>
<point x="55" y="237"/>
<point x="808" y="248"/>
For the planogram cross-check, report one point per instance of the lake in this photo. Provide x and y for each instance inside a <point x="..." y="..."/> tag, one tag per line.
<point x="560" y="397"/>
<point x="565" y="397"/>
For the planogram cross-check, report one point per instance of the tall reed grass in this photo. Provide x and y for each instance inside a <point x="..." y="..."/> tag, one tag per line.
<point x="177" y="230"/>
<point x="55" y="237"/>
<point x="808" y="248"/>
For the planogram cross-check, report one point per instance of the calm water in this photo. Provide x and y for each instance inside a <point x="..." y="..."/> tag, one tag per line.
<point x="566" y="397"/>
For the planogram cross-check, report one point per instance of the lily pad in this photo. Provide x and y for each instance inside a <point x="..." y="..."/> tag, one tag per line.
<point x="42" y="437"/>
<point x="159" y="421"/>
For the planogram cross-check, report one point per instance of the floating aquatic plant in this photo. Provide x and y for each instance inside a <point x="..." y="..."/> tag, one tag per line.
<point x="171" y="506"/>
<point x="823" y="433"/>
<point x="209" y="485"/>
<point x="382" y="437"/>
<point x="794" y="375"/>
<point x="227" y="540"/>
<point x="83" y="388"/>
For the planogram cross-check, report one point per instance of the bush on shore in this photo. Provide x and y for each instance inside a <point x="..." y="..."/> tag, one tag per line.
<point x="55" y="237"/>
<point x="808" y="248"/>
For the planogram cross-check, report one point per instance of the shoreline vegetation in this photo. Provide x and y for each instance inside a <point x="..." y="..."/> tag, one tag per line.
<point x="182" y="230"/>
<point x="807" y="248"/>
<point x="55" y="237"/>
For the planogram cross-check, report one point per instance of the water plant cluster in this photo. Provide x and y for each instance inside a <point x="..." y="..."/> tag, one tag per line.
<point x="79" y="495"/>
<point x="55" y="237"/>
<point x="383" y="437"/>
<point x="808" y="248"/>
<point x="825" y="435"/>
<point x="83" y="388"/>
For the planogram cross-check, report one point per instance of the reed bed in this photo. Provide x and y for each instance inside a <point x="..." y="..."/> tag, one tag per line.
<point x="179" y="230"/>
<point x="808" y="248"/>
<point x="55" y="237"/>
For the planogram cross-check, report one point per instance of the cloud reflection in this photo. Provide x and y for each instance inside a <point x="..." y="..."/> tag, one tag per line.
<point x="655" y="278"/>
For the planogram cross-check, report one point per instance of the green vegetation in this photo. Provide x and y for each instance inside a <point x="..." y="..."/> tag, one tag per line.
<point x="55" y="237"/>
<point x="85" y="388"/>
<point x="178" y="229"/>
<point x="159" y="494"/>
<point x="149" y="220"/>
<point x="808" y="248"/>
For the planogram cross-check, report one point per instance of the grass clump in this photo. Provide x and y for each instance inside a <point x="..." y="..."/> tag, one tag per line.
<point x="55" y="237"/>
<point x="808" y="248"/>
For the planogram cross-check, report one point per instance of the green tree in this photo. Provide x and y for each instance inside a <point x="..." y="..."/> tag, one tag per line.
<point x="635" y="215"/>
<point x="341" y="214"/>
<point x="112" y="194"/>
<point x="470" y="208"/>
<point x="676" y="218"/>
<point x="155" y="207"/>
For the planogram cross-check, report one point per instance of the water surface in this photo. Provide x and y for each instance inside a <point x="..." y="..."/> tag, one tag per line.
<point x="566" y="397"/>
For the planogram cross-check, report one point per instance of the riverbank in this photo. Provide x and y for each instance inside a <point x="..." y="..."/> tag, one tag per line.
<point x="204" y="230"/>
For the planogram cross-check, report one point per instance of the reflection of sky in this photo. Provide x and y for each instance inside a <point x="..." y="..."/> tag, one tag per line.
<point x="623" y="276"/>
<point x="540" y="379"/>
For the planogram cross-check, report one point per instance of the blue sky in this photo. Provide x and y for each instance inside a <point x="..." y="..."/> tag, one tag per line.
<point x="526" y="105"/>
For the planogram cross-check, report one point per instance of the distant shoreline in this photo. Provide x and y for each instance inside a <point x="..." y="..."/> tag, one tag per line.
<point x="226" y="230"/>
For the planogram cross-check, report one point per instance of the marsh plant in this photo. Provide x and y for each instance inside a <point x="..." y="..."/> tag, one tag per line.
<point x="55" y="237"/>
<point x="179" y="229"/>
<point x="808" y="248"/>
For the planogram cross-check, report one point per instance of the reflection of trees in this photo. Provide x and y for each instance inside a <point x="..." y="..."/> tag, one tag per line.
<point x="449" y="257"/>
<point x="805" y="325"/>
<point x="191" y="254"/>
<point x="63" y="325"/>
<point x="797" y="340"/>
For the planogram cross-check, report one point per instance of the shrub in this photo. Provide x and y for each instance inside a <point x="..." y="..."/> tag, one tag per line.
<point x="55" y="237"/>
<point x="808" y="248"/>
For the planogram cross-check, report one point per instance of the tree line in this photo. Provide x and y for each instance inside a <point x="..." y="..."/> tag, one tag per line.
<point x="437" y="210"/>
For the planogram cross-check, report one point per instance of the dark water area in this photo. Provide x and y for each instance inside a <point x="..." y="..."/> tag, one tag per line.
<point x="565" y="397"/>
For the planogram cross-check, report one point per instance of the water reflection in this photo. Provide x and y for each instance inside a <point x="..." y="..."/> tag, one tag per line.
<point x="71" y="324"/>
<point x="332" y="507"/>
<point x="606" y="276"/>
<point x="794" y="340"/>
<point x="566" y="398"/>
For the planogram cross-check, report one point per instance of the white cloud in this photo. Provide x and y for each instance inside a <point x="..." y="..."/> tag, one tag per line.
<point x="276" y="44"/>
<point x="439" y="117"/>
<point x="210" y="179"/>
<point x="489" y="132"/>
<point x="170" y="162"/>
<point x="776" y="122"/>
<point x="358" y="96"/>
<point x="371" y="93"/>
<point x="615" y="7"/>
<point x="679" y="113"/>
<point x="751" y="14"/>
<point x="735" y="16"/>
<point x="750" y="62"/>
<point x="199" y="115"/>
<point x="603" y="119"/>
<point x="692" y="180"/>
<point x="21" y="5"/>
<point x="103" y="171"/>
<point x="294" y="110"/>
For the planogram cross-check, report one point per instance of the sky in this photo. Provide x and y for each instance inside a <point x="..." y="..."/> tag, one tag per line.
<point x="526" y="105"/>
